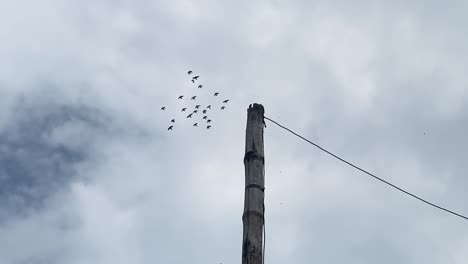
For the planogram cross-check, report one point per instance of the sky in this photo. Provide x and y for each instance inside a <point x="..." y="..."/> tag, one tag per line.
<point x="89" y="172"/>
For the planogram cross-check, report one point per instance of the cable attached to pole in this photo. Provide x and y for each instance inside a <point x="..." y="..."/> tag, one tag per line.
<point x="264" y="228"/>
<point x="368" y="173"/>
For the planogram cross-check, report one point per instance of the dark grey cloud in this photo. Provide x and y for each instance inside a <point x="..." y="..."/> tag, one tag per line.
<point x="41" y="148"/>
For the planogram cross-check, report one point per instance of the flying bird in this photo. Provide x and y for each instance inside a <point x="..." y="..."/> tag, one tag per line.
<point x="225" y="101"/>
<point x="205" y="117"/>
<point x="195" y="77"/>
<point x="193" y="81"/>
<point x="183" y="109"/>
<point x="163" y="108"/>
<point x="189" y="116"/>
<point x="189" y="72"/>
<point x="223" y="107"/>
<point x="208" y="127"/>
<point x="195" y="111"/>
<point x="209" y="107"/>
<point x="196" y="124"/>
<point x="197" y="106"/>
<point x="170" y="128"/>
<point x="204" y="111"/>
<point x="216" y="94"/>
<point x="209" y="121"/>
<point x="173" y="121"/>
<point x="180" y="97"/>
<point x="200" y="86"/>
<point x="193" y="97"/>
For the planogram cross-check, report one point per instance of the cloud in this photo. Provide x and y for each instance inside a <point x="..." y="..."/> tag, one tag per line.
<point x="89" y="173"/>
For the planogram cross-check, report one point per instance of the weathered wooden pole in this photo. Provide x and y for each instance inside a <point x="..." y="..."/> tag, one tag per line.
<point x="254" y="162"/>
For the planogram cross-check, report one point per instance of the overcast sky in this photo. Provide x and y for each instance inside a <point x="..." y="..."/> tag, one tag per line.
<point x="89" y="172"/>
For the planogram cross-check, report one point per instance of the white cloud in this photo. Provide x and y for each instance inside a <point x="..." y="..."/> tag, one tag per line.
<point x="382" y="84"/>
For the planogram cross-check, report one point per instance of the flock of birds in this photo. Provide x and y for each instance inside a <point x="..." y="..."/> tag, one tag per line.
<point x="197" y="108"/>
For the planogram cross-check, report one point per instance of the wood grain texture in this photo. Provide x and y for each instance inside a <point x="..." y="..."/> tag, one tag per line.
<point x="254" y="162"/>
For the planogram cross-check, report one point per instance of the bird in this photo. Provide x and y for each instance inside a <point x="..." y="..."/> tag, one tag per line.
<point x="183" y="109"/>
<point x="205" y="117"/>
<point x="209" y="121"/>
<point x="170" y="128"/>
<point x="223" y="107"/>
<point x="193" y="81"/>
<point x="196" y="124"/>
<point x="195" y="111"/>
<point x="180" y="97"/>
<point x="216" y="94"/>
<point x="173" y="121"/>
<point x="204" y="111"/>
<point x="189" y="72"/>
<point x="193" y="97"/>
<point x="197" y="106"/>
<point x="195" y="77"/>
<point x="189" y="116"/>
<point x="200" y="86"/>
<point x="225" y="101"/>
<point x="163" y="108"/>
<point x="208" y="127"/>
<point x="209" y="107"/>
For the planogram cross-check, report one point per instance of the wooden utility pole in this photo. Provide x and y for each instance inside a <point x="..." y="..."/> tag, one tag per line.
<point x="254" y="162"/>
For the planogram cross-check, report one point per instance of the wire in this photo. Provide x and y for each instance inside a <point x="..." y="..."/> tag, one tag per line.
<point x="368" y="173"/>
<point x="264" y="239"/>
<point x="264" y="228"/>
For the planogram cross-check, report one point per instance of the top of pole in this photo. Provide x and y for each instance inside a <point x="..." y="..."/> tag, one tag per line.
<point x="257" y="107"/>
<point x="254" y="132"/>
<point x="256" y="115"/>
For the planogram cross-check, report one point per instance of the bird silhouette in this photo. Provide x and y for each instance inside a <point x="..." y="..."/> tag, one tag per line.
<point x="189" y="72"/>
<point x="225" y="101"/>
<point x="183" y="109"/>
<point x="208" y="127"/>
<point x="163" y="108"/>
<point x="195" y="111"/>
<point x="189" y="116"/>
<point x="197" y="106"/>
<point x="196" y="124"/>
<point x="193" y="81"/>
<point x="205" y="117"/>
<point x="223" y="107"/>
<point x="209" y="107"/>
<point x="200" y="86"/>
<point x="170" y="128"/>
<point x="216" y="94"/>
<point x="204" y="111"/>
<point x="193" y="97"/>
<point x="173" y="121"/>
<point x="209" y="121"/>
<point x="195" y="77"/>
<point x="180" y="97"/>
